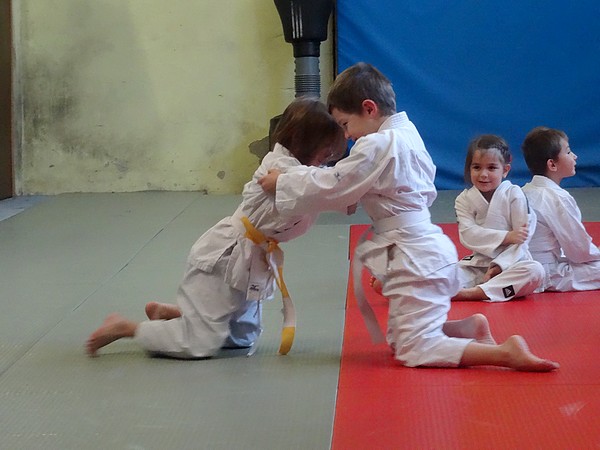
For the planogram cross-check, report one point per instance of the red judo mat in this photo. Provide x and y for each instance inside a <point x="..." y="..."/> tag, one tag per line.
<point x="383" y="405"/>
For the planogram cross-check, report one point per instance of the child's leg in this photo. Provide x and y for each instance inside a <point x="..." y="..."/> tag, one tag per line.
<point x="520" y="279"/>
<point x="244" y="326"/>
<point x="207" y="304"/>
<point x="162" y="311"/>
<point x="567" y="276"/>
<point x="113" y="328"/>
<point x="513" y="353"/>
<point x="470" y="294"/>
<point x="470" y="277"/>
<point x="475" y="327"/>
<point x="417" y="317"/>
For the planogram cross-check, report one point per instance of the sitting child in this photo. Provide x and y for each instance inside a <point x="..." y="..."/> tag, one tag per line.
<point x="560" y="242"/>
<point x="494" y="222"/>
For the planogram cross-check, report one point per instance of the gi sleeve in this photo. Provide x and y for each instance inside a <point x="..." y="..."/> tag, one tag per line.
<point x="519" y="216"/>
<point x="475" y="237"/>
<point x="570" y="233"/>
<point x="335" y="188"/>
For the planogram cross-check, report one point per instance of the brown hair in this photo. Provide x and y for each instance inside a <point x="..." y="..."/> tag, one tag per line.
<point x="540" y="145"/>
<point x="358" y="83"/>
<point x="485" y="143"/>
<point x="306" y="127"/>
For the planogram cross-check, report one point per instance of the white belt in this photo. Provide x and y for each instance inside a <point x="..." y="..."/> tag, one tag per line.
<point x="404" y="220"/>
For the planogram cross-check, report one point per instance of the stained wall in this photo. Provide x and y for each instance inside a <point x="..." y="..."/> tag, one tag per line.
<point x="133" y="95"/>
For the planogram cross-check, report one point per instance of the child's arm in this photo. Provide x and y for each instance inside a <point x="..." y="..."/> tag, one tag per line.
<point x="570" y="232"/>
<point x="522" y="224"/>
<point x="330" y="189"/>
<point x="475" y="237"/>
<point x="517" y="236"/>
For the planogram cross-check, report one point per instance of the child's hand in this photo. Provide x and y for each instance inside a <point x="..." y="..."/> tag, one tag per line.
<point x="492" y="271"/>
<point x="517" y="236"/>
<point x="269" y="181"/>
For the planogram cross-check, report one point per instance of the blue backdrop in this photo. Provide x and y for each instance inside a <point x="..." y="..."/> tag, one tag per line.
<point x="464" y="68"/>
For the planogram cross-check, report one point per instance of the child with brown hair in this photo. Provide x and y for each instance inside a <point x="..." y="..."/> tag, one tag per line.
<point x="495" y="223"/>
<point x="560" y="242"/>
<point x="227" y="274"/>
<point x="390" y="172"/>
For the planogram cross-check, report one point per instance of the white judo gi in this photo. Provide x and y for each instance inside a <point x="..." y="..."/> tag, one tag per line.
<point x="560" y="242"/>
<point x="227" y="276"/>
<point x="391" y="174"/>
<point x="482" y="227"/>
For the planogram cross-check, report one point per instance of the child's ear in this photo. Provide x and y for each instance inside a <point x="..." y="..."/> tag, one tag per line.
<point x="551" y="165"/>
<point x="369" y="107"/>
<point x="506" y="170"/>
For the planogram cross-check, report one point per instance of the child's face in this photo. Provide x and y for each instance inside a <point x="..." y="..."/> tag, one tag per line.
<point x="356" y="125"/>
<point x="487" y="171"/>
<point x="565" y="163"/>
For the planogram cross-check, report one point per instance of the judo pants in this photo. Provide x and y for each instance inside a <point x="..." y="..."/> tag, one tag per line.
<point x="213" y="315"/>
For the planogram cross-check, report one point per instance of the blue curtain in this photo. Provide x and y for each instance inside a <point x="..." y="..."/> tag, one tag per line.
<point x="465" y="68"/>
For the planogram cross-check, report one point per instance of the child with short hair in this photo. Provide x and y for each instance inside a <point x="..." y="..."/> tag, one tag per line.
<point x="495" y="223"/>
<point x="227" y="275"/>
<point x="560" y="242"/>
<point x="391" y="173"/>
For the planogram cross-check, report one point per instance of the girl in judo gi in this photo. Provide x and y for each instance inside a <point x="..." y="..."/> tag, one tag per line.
<point x="495" y="223"/>
<point x="227" y="275"/>
<point x="391" y="174"/>
<point x="560" y="242"/>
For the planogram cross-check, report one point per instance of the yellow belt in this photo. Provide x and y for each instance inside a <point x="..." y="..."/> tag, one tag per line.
<point x="274" y="256"/>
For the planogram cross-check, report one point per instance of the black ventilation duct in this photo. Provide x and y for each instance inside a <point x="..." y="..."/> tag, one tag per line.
<point x="305" y="27"/>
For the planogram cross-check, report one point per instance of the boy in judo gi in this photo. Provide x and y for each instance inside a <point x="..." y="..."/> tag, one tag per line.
<point x="495" y="223"/>
<point x="560" y="242"/>
<point x="390" y="173"/>
<point x="227" y="274"/>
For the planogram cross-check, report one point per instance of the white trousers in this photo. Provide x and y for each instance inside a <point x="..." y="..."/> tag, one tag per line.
<point x="566" y="276"/>
<point x="521" y="279"/>
<point x="418" y="309"/>
<point x="213" y="315"/>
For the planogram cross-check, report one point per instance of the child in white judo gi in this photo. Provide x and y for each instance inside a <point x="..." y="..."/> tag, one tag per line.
<point x="227" y="275"/>
<point x="560" y="242"/>
<point x="391" y="174"/>
<point x="495" y="223"/>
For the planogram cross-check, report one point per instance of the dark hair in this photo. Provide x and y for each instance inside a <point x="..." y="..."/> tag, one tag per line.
<point x="485" y="143"/>
<point x="540" y="145"/>
<point x="358" y="83"/>
<point x="306" y="127"/>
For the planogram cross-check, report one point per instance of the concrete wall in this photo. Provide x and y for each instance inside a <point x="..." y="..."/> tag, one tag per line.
<point x="130" y="95"/>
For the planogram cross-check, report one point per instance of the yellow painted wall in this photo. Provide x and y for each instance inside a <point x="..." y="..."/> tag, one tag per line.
<point x="130" y="95"/>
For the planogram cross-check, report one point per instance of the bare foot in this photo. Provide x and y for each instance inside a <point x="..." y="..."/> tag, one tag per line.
<point x="162" y="311"/>
<point x="376" y="285"/>
<point x="491" y="273"/>
<point x="521" y="358"/>
<point x="470" y="294"/>
<point x="114" y="327"/>
<point x="475" y="327"/>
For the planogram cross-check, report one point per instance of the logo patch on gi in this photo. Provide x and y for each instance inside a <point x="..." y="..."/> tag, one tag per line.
<point x="254" y="287"/>
<point x="508" y="291"/>
<point x="468" y="258"/>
